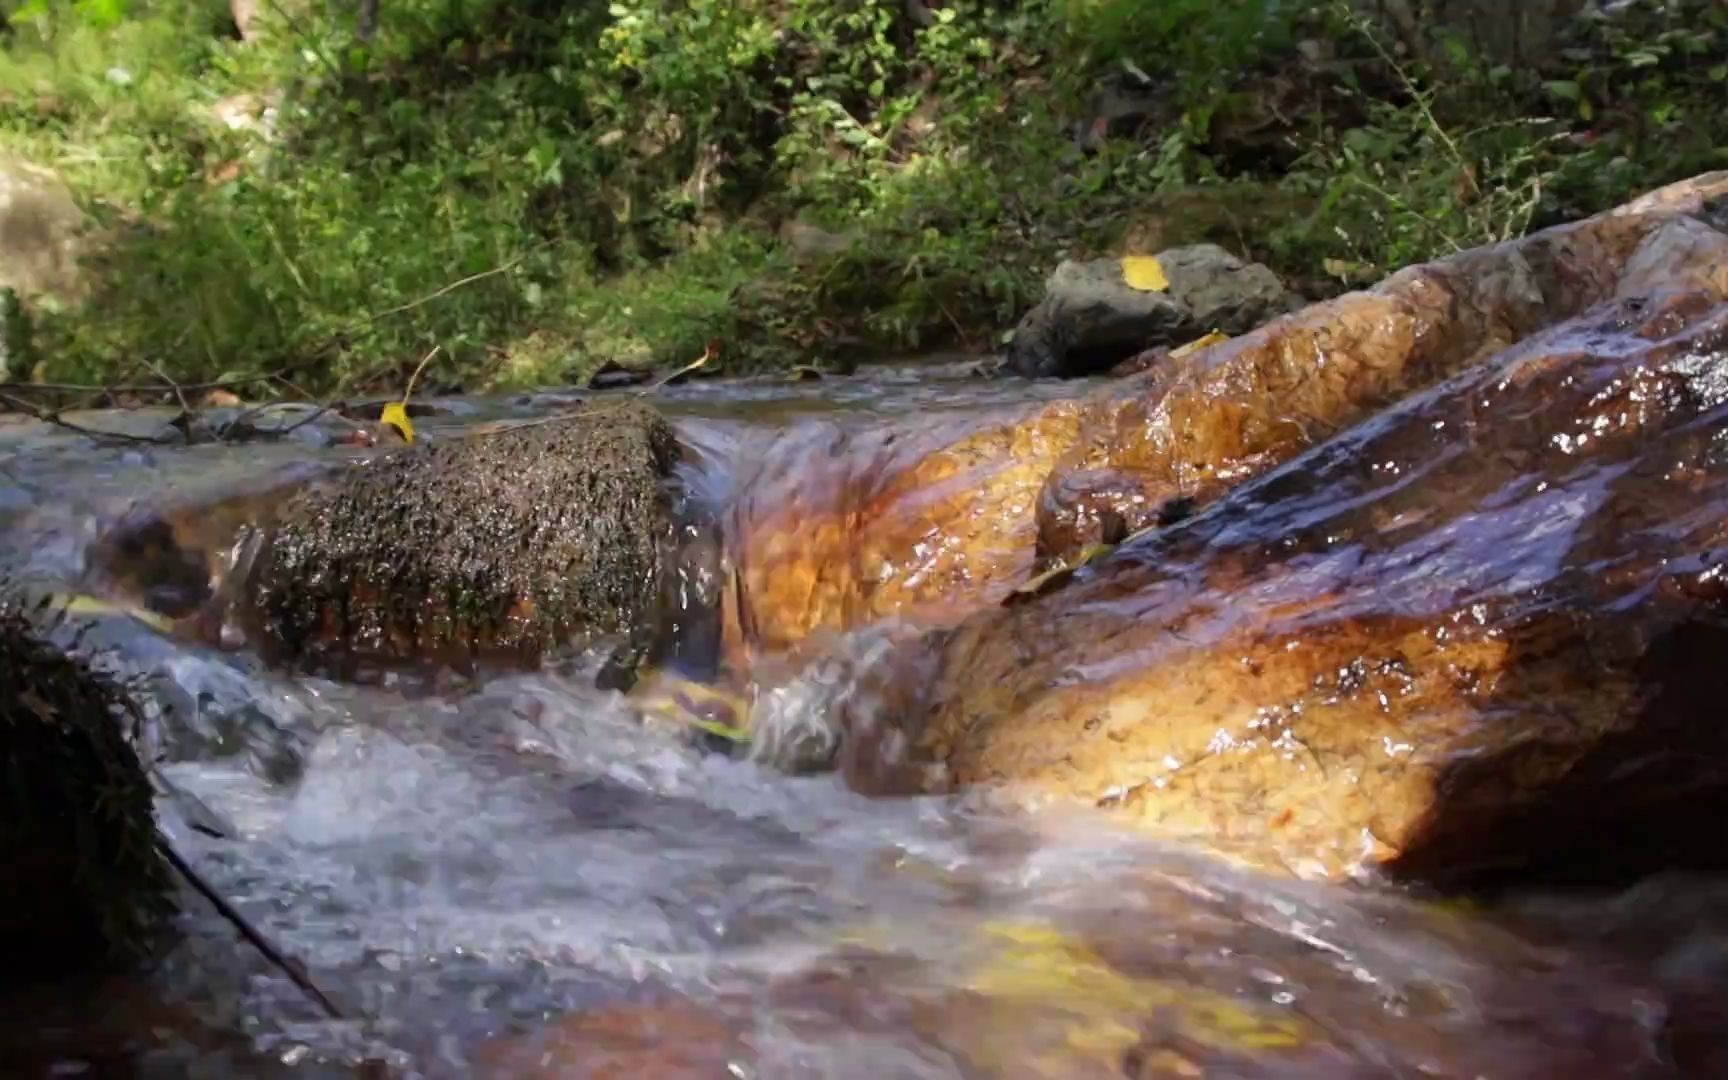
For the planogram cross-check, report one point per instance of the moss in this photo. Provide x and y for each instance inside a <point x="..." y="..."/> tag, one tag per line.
<point x="497" y="547"/>
<point x="86" y="884"/>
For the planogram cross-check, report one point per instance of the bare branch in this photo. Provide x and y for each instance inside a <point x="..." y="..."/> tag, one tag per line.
<point x="152" y="388"/>
<point x="290" y="967"/>
<point x="48" y="417"/>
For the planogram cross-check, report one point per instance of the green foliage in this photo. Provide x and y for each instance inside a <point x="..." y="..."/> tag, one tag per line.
<point x="1407" y="184"/>
<point x="539" y="188"/>
<point x="1644" y="92"/>
<point x="1447" y="152"/>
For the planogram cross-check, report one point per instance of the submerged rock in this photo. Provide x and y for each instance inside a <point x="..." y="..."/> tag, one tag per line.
<point x="1091" y="319"/>
<point x="840" y="528"/>
<point x="85" y="882"/>
<point x="1226" y="982"/>
<point x="1476" y="636"/>
<point x="497" y="547"/>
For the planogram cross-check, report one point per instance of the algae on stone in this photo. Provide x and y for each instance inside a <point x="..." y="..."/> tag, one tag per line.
<point x="495" y="547"/>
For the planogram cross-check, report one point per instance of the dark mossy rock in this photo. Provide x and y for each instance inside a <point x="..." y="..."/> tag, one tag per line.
<point x="85" y="882"/>
<point x="495" y="548"/>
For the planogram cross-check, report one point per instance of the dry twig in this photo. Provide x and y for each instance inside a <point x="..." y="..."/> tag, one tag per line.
<point x="289" y="966"/>
<point x="50" y="417"/>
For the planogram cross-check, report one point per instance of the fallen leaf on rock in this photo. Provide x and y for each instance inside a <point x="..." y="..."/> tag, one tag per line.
<point x="395" y="415"/>
<point x="1040" y="584"/>
<point x="1199" y="343"/>
<point x="1145" y="273"/>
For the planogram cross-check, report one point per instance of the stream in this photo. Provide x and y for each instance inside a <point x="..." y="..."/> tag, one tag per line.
<point x="520" y="877"/>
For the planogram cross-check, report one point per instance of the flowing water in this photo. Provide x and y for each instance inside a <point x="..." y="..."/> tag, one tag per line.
<point x="523" y="878"/>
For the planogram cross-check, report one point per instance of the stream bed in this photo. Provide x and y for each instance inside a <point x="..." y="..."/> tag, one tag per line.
<point x="520" y="877"/>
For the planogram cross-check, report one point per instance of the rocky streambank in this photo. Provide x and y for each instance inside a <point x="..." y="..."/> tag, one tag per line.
<point x="1419" y="581"/>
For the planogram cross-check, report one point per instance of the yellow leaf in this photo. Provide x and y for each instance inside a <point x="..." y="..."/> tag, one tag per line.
<point x="1059" y="574"/>
<point x="722" y="731"/>
<point x="1199" y="343"/>
<point x="1145" y="273"/>
<point x="75" y="604"/>
<point x="395" y="415"/>
<point x="680" y="700"/>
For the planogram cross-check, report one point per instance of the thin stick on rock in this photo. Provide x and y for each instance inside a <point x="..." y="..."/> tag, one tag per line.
<point x="48" y="417"/>
<point x="289" y="966"/>
<point x="179" y="394"/>
<point x="153" y="388"/>
<point x="414" y="378"/>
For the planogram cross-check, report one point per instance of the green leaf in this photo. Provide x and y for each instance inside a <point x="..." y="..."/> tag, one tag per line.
<point x="1564" y="89"/>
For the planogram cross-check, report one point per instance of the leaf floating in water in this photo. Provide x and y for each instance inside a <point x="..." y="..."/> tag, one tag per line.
<point x="1144" y="273"/>
<point x="706" y="708"/>
<point x="722" y="731"/>
<point x="395" y="415"/>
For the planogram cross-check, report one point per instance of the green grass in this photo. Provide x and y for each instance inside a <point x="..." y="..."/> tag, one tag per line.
<point x="537" y="189"/>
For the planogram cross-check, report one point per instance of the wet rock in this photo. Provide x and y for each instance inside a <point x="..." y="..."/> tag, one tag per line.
<point x="1230" y="983"/>
<point x="1469" y="639"/>
<point x="85" y="882"/>
<point x="839" y="527"/>
<point x="498" y="547"/>
<point x="1205" y="422"/>
<point x="1090" y="318"/>
<point x="672" y="1038"/>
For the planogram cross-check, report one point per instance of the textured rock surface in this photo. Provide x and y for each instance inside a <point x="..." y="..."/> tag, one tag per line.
<point x="837" y="527"/>
<point x="1090" y="319"/>
<point x="84" y="882"/>
<point x="1479" y="634"/>
<point x="496" y="547"/>
<point x="42" y="232"/>
<point x="843" y="527"/>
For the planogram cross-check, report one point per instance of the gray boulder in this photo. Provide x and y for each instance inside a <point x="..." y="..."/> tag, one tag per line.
<point x="1090" y="318"/>
<point x="43" y="233"/>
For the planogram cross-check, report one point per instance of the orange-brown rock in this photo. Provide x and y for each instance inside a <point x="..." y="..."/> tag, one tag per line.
<point x="838" y="527"/>
<point x="1479" y="634"/>
<point x="848" y="526"/>
<point x="1221" y="986"/>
